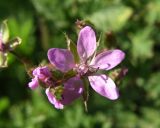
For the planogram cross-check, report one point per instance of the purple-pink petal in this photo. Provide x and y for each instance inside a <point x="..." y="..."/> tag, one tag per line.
<point x="108" y="59"/>
<point x="34" y="83"/>
<point x="61" y="58"/>
<point x="73" y="89"/>
<point x="86" y="44"/>
<point x="42" y="72"/>
<point x="104" y="86"/>
<point x="53" y="100"/>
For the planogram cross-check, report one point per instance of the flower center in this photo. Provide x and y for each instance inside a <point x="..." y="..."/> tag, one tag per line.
<point x="82" y="68"/>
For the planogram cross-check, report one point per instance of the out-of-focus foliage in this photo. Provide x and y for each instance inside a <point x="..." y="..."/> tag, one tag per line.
<point x="133" y="26"/>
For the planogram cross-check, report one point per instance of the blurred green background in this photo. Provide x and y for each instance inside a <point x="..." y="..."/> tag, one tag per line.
<point x="135" y="28"/>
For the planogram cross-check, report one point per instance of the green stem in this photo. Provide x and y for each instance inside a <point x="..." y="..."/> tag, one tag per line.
<point x="27" y="64"/>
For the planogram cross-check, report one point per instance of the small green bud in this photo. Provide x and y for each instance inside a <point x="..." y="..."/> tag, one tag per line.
<point x="6" y="45"/>
<point x="14" y="43"/>
<point x="4" y="31"/>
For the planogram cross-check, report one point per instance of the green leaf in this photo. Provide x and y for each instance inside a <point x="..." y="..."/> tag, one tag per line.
<point x="150" y="118"/>
<point x="73" y="48"/>
<point x="23" y="28"/>
<point x="111" y="18"/>
<point x="4" y="31"/>
<point x="153" y="12"/>
<point x="152" y="86"/>
<point x="4" y="103"/>
<point x="142" y="45"/>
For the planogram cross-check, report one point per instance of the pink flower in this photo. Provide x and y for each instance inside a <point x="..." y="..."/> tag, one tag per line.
<point x="34" y="83"/>
<point x="39" y="73"/>
<point x="42" y="73"/>
<point x="58" y="95"/>
<point x="86" y="46"/>
<point x="72" y="90"/>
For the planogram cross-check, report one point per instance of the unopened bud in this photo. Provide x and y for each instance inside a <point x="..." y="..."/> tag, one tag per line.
<point x="14" y="43"/>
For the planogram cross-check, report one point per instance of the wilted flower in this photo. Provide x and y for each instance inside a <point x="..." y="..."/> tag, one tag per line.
<point x="63" y="60"/>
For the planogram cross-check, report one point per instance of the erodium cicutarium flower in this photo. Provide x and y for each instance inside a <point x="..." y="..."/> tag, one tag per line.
<point x="63" y="60"/>
<point x="67" y="88"/>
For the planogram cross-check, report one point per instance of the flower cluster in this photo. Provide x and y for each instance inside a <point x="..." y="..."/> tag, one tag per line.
<point x="64" y="90"/>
